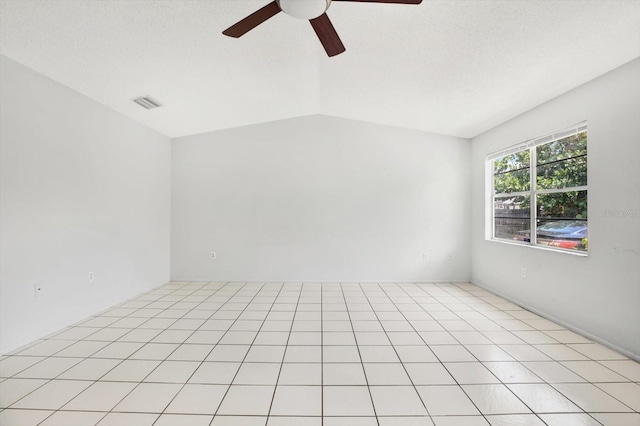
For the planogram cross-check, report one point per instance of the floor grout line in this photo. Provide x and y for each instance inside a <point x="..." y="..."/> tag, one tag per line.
<point x="463" y="312"/>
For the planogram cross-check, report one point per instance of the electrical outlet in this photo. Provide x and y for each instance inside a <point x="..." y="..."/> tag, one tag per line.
<point x="213" y="255"/>
<point x="425" y="257"/>
<point x="37" y="290"/>
<point x="524" y="272"/>
<point x="91" y="276"/>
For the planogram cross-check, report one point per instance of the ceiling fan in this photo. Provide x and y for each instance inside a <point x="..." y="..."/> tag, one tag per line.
<point x="313" y="10"/>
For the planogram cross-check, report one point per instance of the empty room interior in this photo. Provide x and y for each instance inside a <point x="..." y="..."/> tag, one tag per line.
<point x="319" y="213"/>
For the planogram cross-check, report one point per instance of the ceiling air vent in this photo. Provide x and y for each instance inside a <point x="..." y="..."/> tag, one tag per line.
<point x="147" y="102"/>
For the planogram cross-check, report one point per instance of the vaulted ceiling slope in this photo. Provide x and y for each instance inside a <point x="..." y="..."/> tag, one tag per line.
<point x="455" y="67"/>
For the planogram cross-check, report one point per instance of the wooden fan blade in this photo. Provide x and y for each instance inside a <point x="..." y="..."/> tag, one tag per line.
<point x="387" y="1"/>
<point x="327" y="35"/>
<point x="250" y="22"/>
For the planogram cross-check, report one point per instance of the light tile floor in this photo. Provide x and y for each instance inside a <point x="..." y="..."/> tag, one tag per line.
<point x="267" y="354"/>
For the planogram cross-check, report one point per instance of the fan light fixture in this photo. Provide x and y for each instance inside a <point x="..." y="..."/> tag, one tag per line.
<point x="315" y="11"/>
<point x="307" y="9"/>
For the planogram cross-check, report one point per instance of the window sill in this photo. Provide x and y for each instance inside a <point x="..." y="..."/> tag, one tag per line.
<point x="536" y="247"/>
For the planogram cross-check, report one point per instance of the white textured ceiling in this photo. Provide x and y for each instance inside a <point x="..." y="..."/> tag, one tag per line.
<point x="456" y="67"/>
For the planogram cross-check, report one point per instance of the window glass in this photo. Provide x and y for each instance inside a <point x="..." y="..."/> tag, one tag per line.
<point x="512" y="217"/>
<point x="562" y="163"/>
<point x="512" y="173"/>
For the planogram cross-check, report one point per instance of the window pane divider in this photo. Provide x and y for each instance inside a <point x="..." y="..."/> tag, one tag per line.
<point x="533" y="202"/>
<point x="561" y="160"/>
<point x="561" y="190"/>
<point x="512" y="170"/>
<point x="513" y="194"/>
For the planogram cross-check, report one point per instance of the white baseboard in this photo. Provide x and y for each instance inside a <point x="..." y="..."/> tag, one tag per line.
<point x="54" y="328"/>
<point x="404" y="281"/>
<point x="572" y="327"/>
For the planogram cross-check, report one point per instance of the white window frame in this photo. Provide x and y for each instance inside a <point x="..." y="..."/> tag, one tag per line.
<point x="533" y="191"/>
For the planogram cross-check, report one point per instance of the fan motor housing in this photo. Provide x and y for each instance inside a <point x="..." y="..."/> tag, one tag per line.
<point x="305" y="9"/>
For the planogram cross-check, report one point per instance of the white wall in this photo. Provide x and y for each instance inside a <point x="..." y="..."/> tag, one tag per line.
<point x="82" y="189"/>
<point x="320" y="198"/>
<point x="315" y="198"/>
<point x="599" y="294"/>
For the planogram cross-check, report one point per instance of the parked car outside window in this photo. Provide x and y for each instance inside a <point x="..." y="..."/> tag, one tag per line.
<point x="567" y="234"/>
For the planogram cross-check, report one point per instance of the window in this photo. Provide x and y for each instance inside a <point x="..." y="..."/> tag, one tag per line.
<point x="539" y="192"/>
